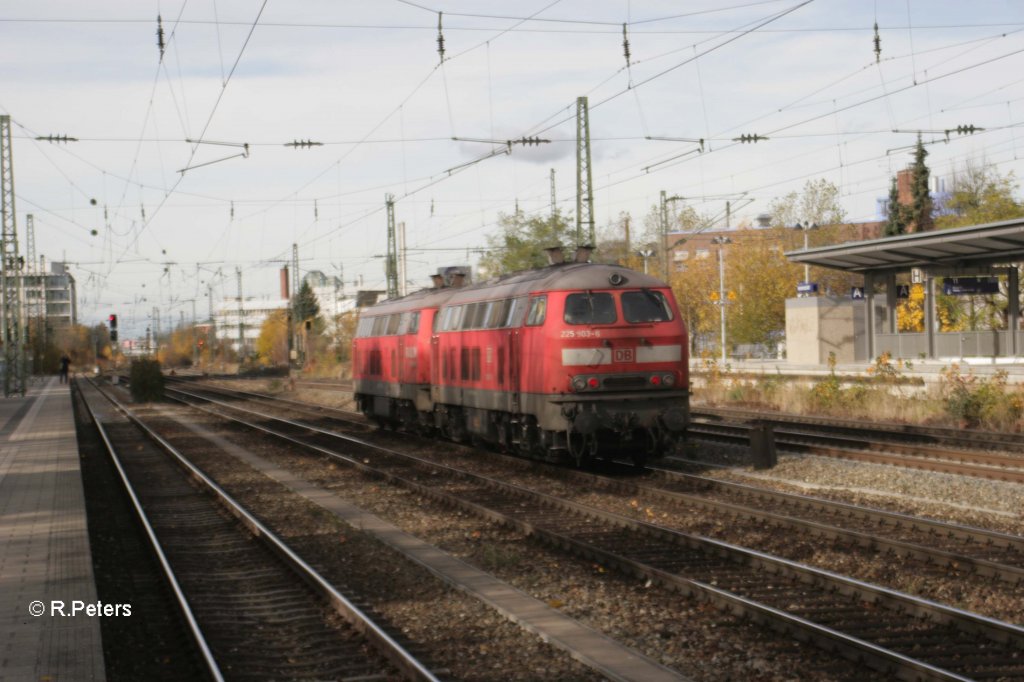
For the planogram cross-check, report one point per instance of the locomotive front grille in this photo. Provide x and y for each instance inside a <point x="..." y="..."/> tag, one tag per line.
<point x="625" y="382"/>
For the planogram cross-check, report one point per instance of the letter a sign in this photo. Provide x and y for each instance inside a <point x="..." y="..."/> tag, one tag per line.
<point x="903" y="291"/>
<point x="857" y="293"/>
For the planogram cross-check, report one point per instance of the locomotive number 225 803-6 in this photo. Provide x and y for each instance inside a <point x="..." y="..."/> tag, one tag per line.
<point x="581" y="333"/>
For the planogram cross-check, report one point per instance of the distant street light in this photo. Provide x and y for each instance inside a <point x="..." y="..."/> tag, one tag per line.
<point x="646" y="255"/>
<point x="721" y="240"/>
<point x="806" y="226"/>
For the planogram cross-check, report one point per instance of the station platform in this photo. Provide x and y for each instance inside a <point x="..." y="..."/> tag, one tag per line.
<point x="44" y="542"/>
<point x="927" y="371"/>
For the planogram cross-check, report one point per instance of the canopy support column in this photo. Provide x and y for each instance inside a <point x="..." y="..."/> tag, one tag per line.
<point x="869" y="315"/>
<point x="1013" y="309"/>
<point x="929" y="312"/>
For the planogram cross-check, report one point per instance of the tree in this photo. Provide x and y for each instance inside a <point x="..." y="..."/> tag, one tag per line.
<point x="921" y="208"/>
<point x="681" y="218"/>
<point x="307" y="307"/>
<point x="520" y="243"/>
<point x="818" y="203"/>
<point x="761" y="279"/>
<point x="896" y="216"/>
<point x="344" y="331"/>
<point x="695" y="287"/>
<point x="272" y="344"/>
<point x="979" y="195"/>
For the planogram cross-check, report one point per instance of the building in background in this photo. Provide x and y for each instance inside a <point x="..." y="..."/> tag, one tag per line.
<point x="330" y="294"/>
<point x="254" y="312"/>
<point x="51" y="296"/>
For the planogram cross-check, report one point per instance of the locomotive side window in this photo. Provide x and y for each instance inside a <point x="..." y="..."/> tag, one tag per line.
<point x="645" y="306"/>
<point x="379" y="325"/>
<point x="414" y="323"/>
<point x="588" y="308"/>
<point x="515" y="312"/>
<point x="538" y="311"/>
<point x="393" y="324"/>
<point x="474" y="316"/>
<point x="364" y="327"/>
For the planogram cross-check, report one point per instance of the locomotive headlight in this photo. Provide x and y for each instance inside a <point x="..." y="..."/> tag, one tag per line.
<point x="669" y="380"/>
<point x="655" y="380"/>
<point x="579" y="384"/>
<point x="593" y="382"/>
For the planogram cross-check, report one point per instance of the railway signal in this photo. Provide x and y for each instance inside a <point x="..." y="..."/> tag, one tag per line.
<point x="112" y="320"/>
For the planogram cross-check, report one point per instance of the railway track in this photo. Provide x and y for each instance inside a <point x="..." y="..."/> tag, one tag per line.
<point x="862" y="445"/>
<point x="607" y="658"/>
<point x="968" y="439"/>
<point x="893" y="632"/>
<point x="963" y="548"/>
<point x="248" y="602"/>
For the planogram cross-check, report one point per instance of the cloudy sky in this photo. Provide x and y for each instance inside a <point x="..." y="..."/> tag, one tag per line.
<point x="158" y="198"/>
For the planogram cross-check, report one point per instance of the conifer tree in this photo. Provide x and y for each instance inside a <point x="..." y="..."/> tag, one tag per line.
<point x="921" y="208"/>
<point x="896" y="222"/>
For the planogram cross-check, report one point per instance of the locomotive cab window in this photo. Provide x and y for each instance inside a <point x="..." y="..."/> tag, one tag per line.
<point x="588" y="308"/>
<point x="645" y="306"/>
<point x="538" y="311"/>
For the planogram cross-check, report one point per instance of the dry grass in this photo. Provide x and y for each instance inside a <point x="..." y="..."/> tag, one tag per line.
<point x="881" y="394"/>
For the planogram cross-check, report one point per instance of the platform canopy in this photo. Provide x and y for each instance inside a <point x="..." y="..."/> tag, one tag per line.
<point x="959" y="248"/>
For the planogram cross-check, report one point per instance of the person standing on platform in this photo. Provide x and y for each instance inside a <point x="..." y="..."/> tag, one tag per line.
<point x="65" y="362"/>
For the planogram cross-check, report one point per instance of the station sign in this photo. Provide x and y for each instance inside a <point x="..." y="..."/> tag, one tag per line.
<point x="968" y="286"/>
<point x="902" y="291"/>
<point x="857" y="293"/>
<point x="807" y="287"/>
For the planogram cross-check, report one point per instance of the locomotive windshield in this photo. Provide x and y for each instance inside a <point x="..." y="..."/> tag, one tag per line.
<point x="588" y="308"/>
<point x="645" y="306"/>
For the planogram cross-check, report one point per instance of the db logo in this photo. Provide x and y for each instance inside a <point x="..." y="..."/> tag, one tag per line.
<point x="625" y="355"/>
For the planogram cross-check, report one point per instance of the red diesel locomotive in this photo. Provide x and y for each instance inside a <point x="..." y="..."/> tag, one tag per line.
<point x="568" y="361"/>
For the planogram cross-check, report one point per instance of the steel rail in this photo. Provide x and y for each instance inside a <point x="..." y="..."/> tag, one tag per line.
<point x="391" y="649"/>
<point x="890" y="430"/>
<point x="981" y="566"/>
<point x="885" y="659"/>
<point x="734" y="433"/>
<point x="210" y="663"/>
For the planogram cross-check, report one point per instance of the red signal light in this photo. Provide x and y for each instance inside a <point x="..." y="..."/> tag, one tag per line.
<point x="655" y="380"/>
<point x="593" y="382"/>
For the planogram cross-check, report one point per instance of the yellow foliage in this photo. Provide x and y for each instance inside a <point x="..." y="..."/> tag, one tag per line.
<point x="910" y="311"/>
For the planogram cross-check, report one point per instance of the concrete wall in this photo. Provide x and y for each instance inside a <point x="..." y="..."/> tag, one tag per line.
<point x="817" y="326"/>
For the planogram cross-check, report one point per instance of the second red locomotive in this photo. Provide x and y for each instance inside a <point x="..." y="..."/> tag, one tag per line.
<point x="564" y="362"/>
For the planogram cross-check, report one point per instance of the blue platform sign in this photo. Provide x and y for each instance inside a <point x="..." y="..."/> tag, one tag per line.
<point x="856" y="293"/>
<point x="968" y="286"/>
<point x="902" y="291"/>
<point x="807" y="287"/>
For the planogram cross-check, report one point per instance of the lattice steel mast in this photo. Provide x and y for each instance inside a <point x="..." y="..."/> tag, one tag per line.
<point x="584" y="179"/>
<point x="391" y="264"/>
<point x="13" y="310"/>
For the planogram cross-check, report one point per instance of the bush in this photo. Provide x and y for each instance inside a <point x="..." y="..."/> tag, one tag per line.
<point x="146" y="381"/>
<point x="974" y="401"/>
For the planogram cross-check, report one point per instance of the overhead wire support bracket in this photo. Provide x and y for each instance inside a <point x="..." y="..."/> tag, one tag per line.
<point x="244" y="155"/>
<point x="697" y="140"/>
